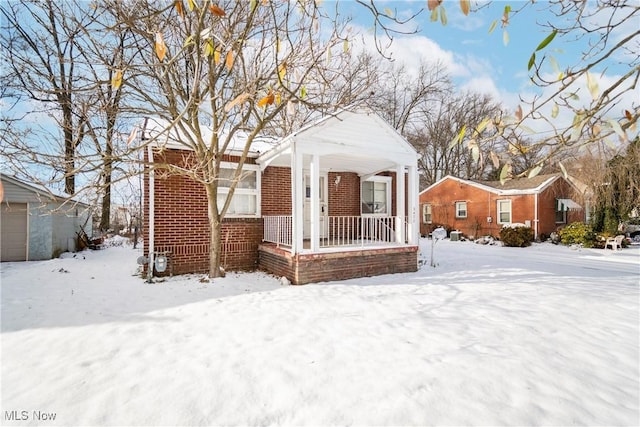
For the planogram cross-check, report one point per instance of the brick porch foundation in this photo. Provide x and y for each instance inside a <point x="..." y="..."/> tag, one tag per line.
<point x="301" y="269"/>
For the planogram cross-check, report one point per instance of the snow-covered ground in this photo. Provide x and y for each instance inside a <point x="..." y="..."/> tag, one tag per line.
<point x="544" y="335"/>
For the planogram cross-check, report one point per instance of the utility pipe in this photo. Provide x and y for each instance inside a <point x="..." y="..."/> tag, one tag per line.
<point x="151" y="212"/>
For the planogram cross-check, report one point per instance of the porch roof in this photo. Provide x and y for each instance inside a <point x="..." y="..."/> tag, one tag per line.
<point x="360" y="142"/>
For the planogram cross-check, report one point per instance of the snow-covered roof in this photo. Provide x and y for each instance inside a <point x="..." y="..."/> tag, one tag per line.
<point x="511" y="187"/>
<point x="40" y="191"/>
<point x="357" y="141"/>
<point x="163" y="135"/>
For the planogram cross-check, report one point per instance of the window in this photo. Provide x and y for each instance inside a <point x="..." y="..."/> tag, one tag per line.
<point x="461" y="209"/>
<point x="561" y="213"/>
<point x="246" y="198"/>
<point x="504" y="211"/>
<point x="426" y="213"/>
<point x="307" y="186"/>
<point x="376" y="196"/>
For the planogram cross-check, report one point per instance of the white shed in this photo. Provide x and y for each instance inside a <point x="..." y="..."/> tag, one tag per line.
<point x="37" y="225"/>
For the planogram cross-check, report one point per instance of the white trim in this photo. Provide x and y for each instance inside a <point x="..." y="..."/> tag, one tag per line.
<point x="535" y="217"/>
<point x="314" y="203"/>
<point x="497" y="191"/>
<point x="387" y="180"/>
<point x="400" y="201"/>
<point x="297" y="201"/>
<point x="498" y="211"/>
<point x="28" y="231"/>
<point x="151" y="218"/>
<point x="413" y="205"/>
<point x="244" y="191"/>
<point x="566" y="205"/>
<point x="424" y="213"/>
<point x="466" y="209"/>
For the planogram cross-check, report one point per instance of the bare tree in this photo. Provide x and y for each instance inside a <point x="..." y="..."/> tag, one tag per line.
<point x="106" y="53"/>
<point x="402" y="98"/>
<point x="216" y="73"/>
<point x="40" y="42"/>
<point x="63" y="76"/>
<point x="606" y="110"/>
<point x="440" y="126"/>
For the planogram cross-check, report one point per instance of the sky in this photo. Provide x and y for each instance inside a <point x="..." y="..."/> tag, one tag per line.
<point x="477" y="60"/>
<point x="544" y="335"/>
<point x="480" y="61"/>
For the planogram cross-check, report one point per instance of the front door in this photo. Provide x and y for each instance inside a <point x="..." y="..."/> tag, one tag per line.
<point x="324" y="211"/>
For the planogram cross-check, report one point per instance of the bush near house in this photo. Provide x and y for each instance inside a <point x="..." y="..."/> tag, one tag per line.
<point x="516" y="236"/>
<point x="578" y="233"/>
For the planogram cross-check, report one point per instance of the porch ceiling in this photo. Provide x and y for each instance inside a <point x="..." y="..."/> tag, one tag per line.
<point x="358" y="142"/>
<point x="358" y="163"/>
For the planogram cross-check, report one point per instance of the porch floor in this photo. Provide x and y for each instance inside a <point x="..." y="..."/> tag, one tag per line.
<point x="354" y="244"/>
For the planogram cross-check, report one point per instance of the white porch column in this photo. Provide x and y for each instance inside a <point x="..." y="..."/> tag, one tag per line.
<point x="314" y="213"/>
<point x="413" y="225"/>
<point x="400" y="201"/>
<point x="297" y="200"/>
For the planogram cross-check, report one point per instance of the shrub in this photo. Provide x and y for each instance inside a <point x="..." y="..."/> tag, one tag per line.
<point x="517" y="237"/>
<point x="578" y="233"/>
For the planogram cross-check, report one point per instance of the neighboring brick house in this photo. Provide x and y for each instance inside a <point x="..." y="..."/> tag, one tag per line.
<point x="475" y="208"/>
<point x="357" y="220"/>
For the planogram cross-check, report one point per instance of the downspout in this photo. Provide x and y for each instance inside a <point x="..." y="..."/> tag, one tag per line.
<point x="151" y="212"/>
<point x="535" y="217"/>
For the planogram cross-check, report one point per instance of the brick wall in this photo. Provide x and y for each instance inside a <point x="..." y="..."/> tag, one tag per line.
<point x="482" y="204"/>
<point x="547" y="206"/>
<point x="344" y="198"/>
<point x="276" y="191"/>
<point x="312" y="268"/>
<point x="182" y="225"/>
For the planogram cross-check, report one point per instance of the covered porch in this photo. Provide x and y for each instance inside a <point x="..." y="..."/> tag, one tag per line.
<point x="354" y="201"/>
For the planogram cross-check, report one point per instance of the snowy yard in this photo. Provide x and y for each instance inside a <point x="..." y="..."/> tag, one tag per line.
<point x="544" y="335"/>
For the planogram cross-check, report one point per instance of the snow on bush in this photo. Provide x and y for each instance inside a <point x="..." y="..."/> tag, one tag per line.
<point x="516" y="235"/>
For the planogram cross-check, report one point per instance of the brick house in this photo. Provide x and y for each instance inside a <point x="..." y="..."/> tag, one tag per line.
<point x="478" y="208"/>
<point x="346" y="214"/>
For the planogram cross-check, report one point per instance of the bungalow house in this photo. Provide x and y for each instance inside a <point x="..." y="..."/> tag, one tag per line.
<point x="338" y="199"/>
<point x="475" y="208"/>
<point x="36" y="224"/>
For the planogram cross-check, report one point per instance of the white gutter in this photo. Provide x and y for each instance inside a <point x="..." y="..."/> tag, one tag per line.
<point x="535" y="217"/>
<point x="151" y="212"/>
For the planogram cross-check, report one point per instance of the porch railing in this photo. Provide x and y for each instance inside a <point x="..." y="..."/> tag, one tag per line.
<point x="278" y="229"/>
<point x="336" y="231"/>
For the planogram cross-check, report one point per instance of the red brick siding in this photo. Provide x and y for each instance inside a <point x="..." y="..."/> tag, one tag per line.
<point x="344" y="198"/>
<point x="547" y="206"/>
<point x="276" y="191"/>
<point x="182" y="226"/>
<point x="311" y="268"/>
<point x="482" y="204"/>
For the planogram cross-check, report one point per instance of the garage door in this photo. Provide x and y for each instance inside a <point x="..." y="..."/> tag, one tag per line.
<point x="13" y="232"/>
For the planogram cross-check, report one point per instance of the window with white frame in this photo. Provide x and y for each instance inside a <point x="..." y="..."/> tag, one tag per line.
<point x="504" y="211"/>
<point x="461" y="209"/>
<point x="246" y="197"/>
<point x="376" y="196"/>
<point x="426" y="213"/>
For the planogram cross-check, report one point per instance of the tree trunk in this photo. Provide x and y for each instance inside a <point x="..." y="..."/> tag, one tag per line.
<point x="106" y="196"/>
<point x="107" y="170"/>
<point x="69" y="150"/>
<point x="215" y="231"/>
